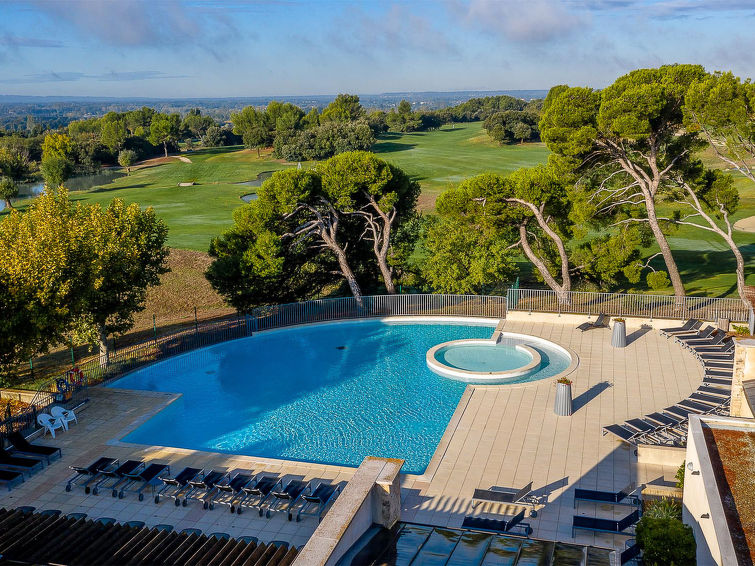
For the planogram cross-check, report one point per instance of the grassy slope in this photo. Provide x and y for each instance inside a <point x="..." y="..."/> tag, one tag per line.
<point x="449" y="155"/>
<point x="194" y="214"/>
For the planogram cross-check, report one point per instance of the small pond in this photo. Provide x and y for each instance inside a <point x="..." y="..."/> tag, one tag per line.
<point x="80" y="183"/>
<point x="261" y="178"/>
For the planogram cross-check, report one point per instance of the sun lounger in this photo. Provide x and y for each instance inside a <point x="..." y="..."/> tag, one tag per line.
<point x="600" y="322"/>
<point x="84" y="476"/>
<point x="689" y="326"/>
<point x="256" y="492"/>
<point x="725" y="345"/>
<point x="664" y="419"/>
<point x="285" y="495"/>
<point x="622" y="432"/>
<point x="498" y="525"/>
<point x="709" y="399"/>
<point x="716" y="337"/>
<point x="11" y="478"/>
<point x="504" y="495"/>
<point x="27" y="465"/>
<point x="175" y="487"/>
<point x="148" y="477"/>
<point x="604" y="525"/>
<point x="229" y="492"/>
<point x="694" y="405"/>
<point x="703" y="333"/>
<point x="23" y="446"/>
<point x="622" y="497"/>
<point x="316" y="502"/>
<point x="204" y="487"/>
<point x="715" y="356"/>
<point x="111" y="479"/>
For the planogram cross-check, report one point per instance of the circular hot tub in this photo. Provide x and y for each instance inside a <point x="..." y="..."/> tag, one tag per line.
<point x="505" y="358"/>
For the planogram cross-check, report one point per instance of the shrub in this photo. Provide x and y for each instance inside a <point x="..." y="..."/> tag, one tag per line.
<point x="740" y="330"/>
<point x="680" y="476"/>
<point x="658" y="280"/>
<point x="666" y="542"/>
<point x="665" y="508"/>
<point x="564" y="380"/>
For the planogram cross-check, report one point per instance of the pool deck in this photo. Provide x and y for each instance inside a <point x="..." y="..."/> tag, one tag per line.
<point x="500" y="436"/>
<point x="509" y="436"/>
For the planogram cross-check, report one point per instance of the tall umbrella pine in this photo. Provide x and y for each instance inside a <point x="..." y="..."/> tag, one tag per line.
<point x="629" y="140"/>
<point x="378" y="194"/>
<point x="529" y="209"/>
<point x="300" y="213"/>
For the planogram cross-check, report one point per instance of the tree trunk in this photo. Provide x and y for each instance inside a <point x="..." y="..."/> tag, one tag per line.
<point x="165" y="147"/>
<point x="258" y="151"/>
<point x="381" y="253"/>
<point x="347" y="273"/>
<point x="104" y="347"/>
<point x="660" y="237"/>
<point x="385" y="271"/>
<point x="562" y="291"/>
<point x="8" y="203"/>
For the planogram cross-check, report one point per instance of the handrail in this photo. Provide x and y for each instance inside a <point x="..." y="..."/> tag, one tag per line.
<point x="629" y="305"/>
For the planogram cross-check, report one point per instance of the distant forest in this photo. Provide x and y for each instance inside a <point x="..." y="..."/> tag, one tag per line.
<point x="23" y="113"/>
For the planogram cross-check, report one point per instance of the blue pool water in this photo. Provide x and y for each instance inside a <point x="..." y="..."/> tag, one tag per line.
<point x="330" y="393"/>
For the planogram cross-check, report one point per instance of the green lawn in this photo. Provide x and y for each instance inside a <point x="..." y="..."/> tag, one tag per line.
<point x="194" y="214"/>
<point x="449" y="155"/>
<point x="197" y="214"/>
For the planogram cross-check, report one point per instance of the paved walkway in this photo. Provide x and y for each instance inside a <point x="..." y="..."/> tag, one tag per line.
<point x="506" y="436"/>
<point x="510" y="436"/>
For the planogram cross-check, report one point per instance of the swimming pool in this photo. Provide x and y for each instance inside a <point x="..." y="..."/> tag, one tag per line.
<point x="326" y="393"/>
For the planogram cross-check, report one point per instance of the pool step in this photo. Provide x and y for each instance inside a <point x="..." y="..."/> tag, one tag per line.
<point x="498" y="332"/>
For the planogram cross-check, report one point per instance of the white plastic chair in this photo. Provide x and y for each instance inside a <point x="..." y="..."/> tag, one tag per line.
<point x="49" y="424"/>
<point x="63" y="415"/>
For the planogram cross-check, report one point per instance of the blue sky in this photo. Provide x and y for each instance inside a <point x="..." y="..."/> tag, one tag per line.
<point x="230" y="48"/>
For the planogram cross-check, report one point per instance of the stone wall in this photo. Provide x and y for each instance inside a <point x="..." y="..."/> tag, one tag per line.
<point x="372" y="497"/>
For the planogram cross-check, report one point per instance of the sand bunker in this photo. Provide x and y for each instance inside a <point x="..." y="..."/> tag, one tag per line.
<point x="746" y="224"/>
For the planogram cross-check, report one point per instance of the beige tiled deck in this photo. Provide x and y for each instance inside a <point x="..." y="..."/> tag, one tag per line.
<point x="509" y="436"/>
<point x="505" y="436"/>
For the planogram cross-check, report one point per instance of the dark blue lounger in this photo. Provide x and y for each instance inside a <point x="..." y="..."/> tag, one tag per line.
<point x="604" y="525"/>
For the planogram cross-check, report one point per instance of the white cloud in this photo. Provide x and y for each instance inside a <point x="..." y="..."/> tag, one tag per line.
<point x="520" y="20"/>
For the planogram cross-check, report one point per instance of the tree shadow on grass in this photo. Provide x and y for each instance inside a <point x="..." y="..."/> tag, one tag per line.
<point x="392" y="147"/>
<point x="109" y="189"/>
<point x="584" y="398"/>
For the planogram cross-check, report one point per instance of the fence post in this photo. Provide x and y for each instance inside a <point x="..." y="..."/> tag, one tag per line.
<point x="154" y="326"/>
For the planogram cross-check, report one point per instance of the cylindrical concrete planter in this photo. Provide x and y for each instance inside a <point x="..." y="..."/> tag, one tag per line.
<point x="563" y="407"/>
<point x="619" y="336"/>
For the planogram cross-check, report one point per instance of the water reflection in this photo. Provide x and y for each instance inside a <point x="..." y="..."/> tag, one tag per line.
<point x="79" y="183"/>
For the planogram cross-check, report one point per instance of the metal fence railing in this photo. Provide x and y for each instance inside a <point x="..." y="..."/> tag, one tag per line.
<point x="65" y="391"/>
<point x="629" y="305"/>
<point x="276" y="316"/>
